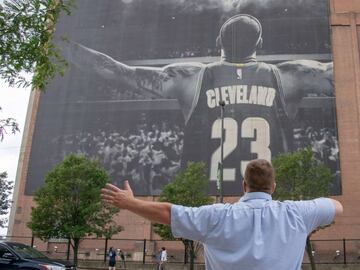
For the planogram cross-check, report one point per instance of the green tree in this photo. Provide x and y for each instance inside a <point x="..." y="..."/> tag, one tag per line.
<point x="26" y="41"/>
<point x="8" y="124"/>
<point x="5" y="202"/>
<point x="27" y="45"/>
<point x="189" y="188"/>
<point x="299" y="176"/>
<point x="69" y="205"/>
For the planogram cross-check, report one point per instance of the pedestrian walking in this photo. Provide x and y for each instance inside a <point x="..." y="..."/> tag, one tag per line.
<point x="112" y="258"/>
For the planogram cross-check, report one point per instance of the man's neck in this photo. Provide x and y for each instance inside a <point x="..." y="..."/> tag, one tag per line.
<point x="263" y="191"/>
<point x="235" y="59"/>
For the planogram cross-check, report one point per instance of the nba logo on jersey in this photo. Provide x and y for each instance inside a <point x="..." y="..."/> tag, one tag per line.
<point x="239" y="73"/>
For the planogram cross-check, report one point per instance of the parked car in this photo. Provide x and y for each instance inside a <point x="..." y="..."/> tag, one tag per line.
<point x="20" y="256"/>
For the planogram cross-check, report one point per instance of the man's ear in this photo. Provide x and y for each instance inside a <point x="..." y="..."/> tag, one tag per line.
<point x="259" y="44"/>
<point x="273" y="188"/>
<point x="244" y="186"/>
<point x="218" y="42"/>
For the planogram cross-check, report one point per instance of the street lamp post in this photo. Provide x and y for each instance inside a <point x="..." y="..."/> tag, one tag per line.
<point x="222" y="106"/>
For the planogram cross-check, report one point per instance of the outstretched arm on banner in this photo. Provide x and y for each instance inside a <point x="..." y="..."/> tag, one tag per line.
<point x="302" y="77"/>
<point x="177" y="81"/>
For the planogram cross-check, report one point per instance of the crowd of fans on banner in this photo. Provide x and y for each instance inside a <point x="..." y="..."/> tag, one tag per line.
<point x="149" y="153"/>
<point x="152" y="152"/>
<point x="323" y="142"/>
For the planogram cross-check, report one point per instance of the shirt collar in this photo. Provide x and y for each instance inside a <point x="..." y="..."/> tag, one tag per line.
<point x="255" y="196"/>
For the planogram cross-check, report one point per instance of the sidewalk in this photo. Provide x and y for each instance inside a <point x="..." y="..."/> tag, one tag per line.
<point x="138" y="266"/>
<point x="180" y="266"/>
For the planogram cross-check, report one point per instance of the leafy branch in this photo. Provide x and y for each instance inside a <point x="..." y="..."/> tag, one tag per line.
<point x="5" y="200"/>
<point x="26" y="41"/>
<point x="6" y="124"/>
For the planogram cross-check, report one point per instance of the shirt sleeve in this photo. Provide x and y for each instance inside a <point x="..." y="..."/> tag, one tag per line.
<point x="315" y="213"/>
<point x="191" y="222"/>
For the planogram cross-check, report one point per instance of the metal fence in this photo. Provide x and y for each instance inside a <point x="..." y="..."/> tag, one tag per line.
<point x="337" y="251"/>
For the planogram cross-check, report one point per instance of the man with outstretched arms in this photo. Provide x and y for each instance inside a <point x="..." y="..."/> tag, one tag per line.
<point x="255" y="233"/>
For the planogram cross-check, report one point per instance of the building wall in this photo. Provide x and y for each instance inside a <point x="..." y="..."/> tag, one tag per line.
<point x="345" y="25"/>
<point x="345" y="28"/>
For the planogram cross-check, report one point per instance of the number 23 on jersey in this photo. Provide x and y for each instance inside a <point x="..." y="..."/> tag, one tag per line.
<point x="256" y="129"/>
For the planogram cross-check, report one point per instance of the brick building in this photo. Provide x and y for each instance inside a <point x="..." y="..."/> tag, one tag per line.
<point x="345" y="30"/>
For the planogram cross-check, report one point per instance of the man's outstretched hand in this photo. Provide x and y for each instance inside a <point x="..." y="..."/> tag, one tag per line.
<point x="159" y="212"/>
<point x="120" y="198"/>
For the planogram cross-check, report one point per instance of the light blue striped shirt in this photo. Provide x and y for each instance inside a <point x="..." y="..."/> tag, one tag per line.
<point x="255" y="233"/>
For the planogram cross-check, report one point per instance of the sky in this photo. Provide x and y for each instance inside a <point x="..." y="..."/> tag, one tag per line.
<point x="14" y="103"/>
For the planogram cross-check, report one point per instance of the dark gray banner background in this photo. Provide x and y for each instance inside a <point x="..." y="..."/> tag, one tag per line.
<point x="138" y="137"/>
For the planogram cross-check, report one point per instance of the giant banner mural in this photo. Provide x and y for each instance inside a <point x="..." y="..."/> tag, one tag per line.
<point x="147" y="81"/>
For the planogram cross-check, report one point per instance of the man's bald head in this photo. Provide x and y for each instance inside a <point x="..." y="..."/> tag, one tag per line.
<point x="259" y="176"/>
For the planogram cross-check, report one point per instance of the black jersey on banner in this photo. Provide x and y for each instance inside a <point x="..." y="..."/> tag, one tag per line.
<point x="254" y="120"/>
